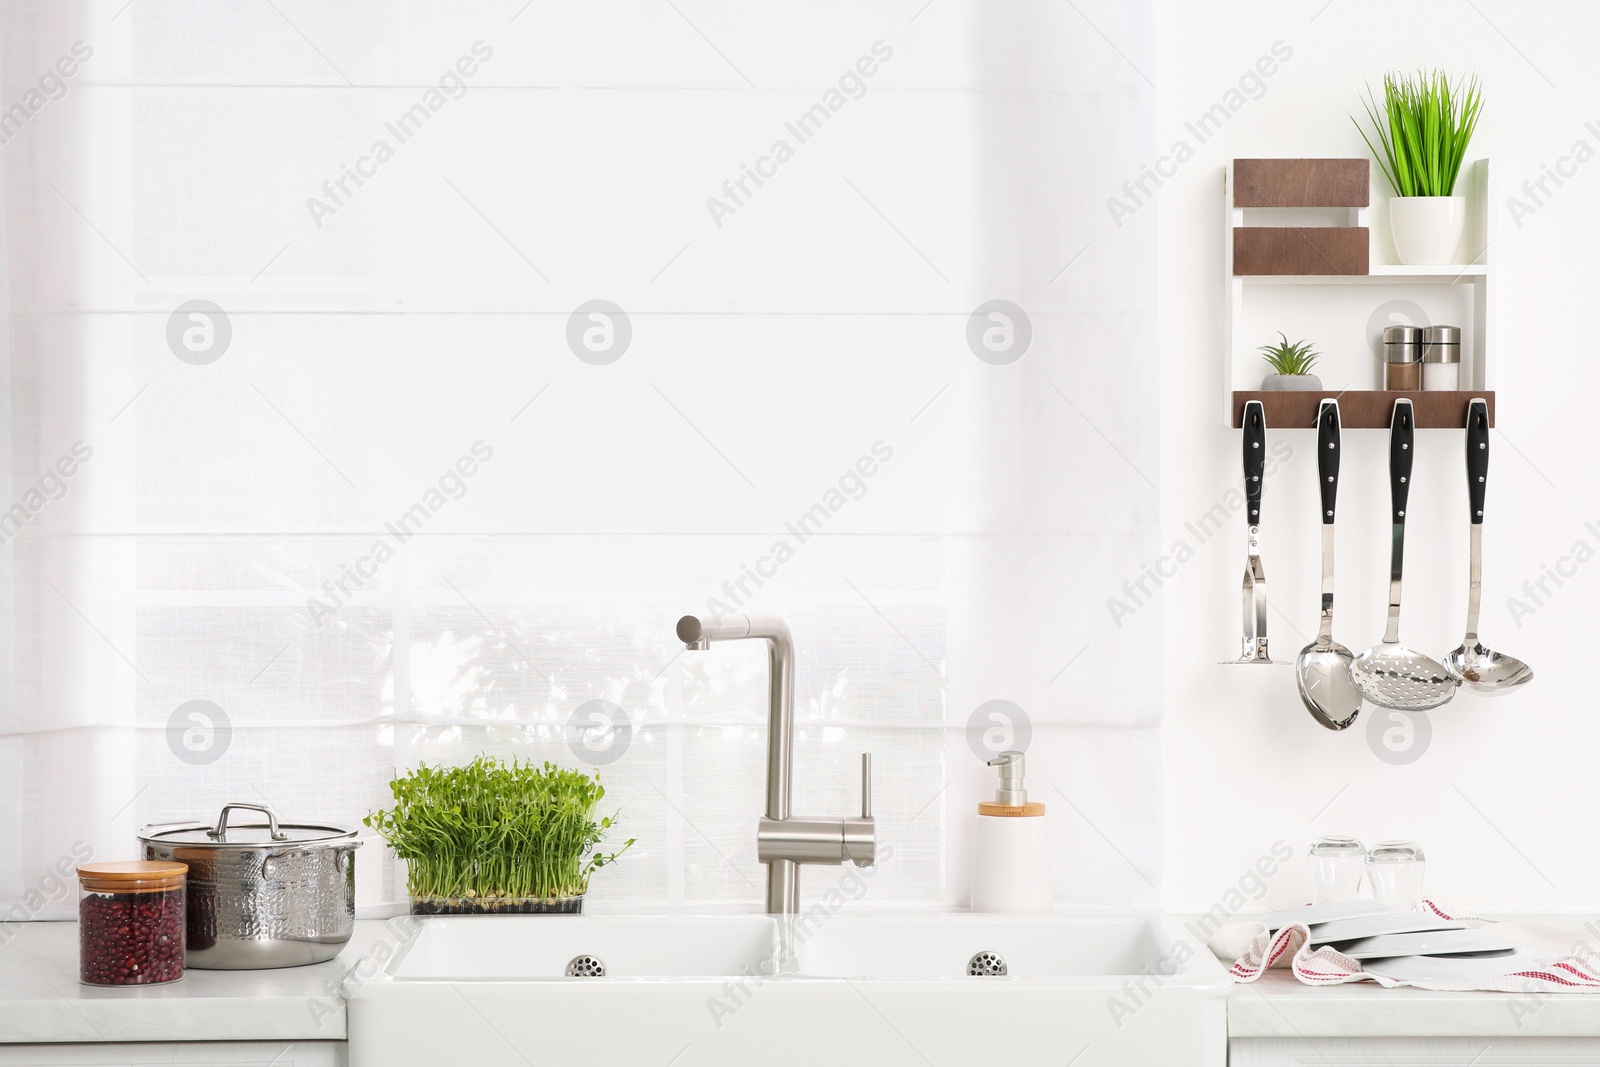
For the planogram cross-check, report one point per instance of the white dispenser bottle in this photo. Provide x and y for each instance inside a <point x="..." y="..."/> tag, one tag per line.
<point x="1011" y="858"/>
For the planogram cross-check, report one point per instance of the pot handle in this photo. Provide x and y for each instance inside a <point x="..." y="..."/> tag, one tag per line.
<point x="221" y="830"/>
<point x="271" y="858"/>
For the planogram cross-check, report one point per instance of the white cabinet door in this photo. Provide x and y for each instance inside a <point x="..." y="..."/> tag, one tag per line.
<point x="1414" y="1051"/>
<point x="179" y="1054"/>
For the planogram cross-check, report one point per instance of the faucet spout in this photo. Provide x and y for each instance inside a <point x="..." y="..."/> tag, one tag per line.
<point x="697" y="633"/>
<point x="782" y="842"/>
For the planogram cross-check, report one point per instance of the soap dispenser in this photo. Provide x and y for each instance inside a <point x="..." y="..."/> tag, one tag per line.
<point x="1011" y="859"/>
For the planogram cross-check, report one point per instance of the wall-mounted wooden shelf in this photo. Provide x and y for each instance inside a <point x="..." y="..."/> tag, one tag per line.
<point x="1365" y="409"/>
<point x="1308" y="262"/>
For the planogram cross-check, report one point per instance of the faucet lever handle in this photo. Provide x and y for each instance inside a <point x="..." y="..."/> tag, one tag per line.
<point x="866" y="785"/>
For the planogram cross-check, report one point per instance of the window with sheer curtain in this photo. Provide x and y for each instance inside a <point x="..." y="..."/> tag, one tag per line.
<point x="322" y="458"/>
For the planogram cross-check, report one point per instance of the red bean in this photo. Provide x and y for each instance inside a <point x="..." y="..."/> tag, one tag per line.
<point x="130" y="938"/>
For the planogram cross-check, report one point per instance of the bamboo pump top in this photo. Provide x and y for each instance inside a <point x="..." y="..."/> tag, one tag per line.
<point x="1011" y="799"/>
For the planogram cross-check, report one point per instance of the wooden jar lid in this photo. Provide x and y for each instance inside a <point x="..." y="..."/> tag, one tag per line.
<point x="132" y="876"/>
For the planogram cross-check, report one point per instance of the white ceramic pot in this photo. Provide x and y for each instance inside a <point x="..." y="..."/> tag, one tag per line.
<point x="1427" y="229"/>
<point x="1278" y="383"/>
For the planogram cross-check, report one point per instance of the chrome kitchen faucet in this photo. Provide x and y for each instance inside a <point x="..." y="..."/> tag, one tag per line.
<point x="783" y="842"/>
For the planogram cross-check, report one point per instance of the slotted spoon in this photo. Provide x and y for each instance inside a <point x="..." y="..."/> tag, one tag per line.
<point x="1389" y="674"/>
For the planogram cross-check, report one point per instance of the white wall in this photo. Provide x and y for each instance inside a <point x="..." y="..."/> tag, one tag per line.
<point x="1504" y="798"/>
<point x="378" y="334"/>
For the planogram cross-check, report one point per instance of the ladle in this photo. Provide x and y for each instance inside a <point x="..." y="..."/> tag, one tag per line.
<point x="1472" y="664"/>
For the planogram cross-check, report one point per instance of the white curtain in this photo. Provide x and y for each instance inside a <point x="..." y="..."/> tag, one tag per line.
<point x="325" y="462"/>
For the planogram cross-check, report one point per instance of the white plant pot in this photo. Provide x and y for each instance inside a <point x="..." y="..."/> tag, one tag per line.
<point x="1280" y="383"/>
<point x="1427" y="229"/>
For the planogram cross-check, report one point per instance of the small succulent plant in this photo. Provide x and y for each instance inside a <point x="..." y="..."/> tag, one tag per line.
<point x="1290" y="357"/>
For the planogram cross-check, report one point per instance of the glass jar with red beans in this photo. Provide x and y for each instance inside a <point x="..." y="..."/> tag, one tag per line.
<point x="130" y="922"/>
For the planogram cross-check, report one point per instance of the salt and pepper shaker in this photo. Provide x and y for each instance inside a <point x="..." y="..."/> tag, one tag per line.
<point x="1422" y="357"/>
<point x="1402" y="358"/>
<point x="1441" y="357"/>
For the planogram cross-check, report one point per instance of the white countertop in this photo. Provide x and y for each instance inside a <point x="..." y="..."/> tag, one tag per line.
<point x="1279" y="1005"/>
<point x="41" y="999"/>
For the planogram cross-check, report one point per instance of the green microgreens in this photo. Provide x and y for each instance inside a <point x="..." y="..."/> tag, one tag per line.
<point x="496" y="829"/>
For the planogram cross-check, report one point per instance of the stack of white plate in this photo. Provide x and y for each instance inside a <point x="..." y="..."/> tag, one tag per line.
<point x="1407" y="946"/>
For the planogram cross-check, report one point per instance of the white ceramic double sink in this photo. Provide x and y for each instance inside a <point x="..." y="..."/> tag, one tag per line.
<point x="751" y="990"/>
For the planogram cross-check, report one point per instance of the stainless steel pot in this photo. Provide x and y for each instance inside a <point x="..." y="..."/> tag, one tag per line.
<point x="262" y="895"/>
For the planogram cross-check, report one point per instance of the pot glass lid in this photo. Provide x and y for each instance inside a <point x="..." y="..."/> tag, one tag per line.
<point x="225" y="831"/>
<point x="246" y="834"/>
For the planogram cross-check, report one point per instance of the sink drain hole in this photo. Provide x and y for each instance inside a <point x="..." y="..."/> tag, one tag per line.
<point x="589" y="967"/>
<point x="986" y="965"/>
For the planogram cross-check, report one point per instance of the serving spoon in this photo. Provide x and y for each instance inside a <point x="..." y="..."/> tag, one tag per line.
<point x="1322" y="669"/>
<point x="1472" y="664"/>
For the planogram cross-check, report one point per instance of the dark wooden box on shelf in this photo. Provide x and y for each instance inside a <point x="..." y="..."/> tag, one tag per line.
<point x="1302" y="183"/>
<point x="1341" y="250"/>
<point x="1368" y="409"/>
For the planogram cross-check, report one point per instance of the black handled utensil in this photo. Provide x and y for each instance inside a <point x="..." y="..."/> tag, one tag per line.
<point x="1322" y="670"/>
<point x="1472" y="664"/>
<point x="1253" y="648"/>
<point x="1389" y="674"/>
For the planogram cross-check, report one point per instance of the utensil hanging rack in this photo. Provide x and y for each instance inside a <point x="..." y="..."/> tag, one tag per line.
<point x="1285" y="264"/>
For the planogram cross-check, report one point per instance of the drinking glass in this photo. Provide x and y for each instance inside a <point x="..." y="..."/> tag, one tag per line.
<point x="1336" y="869"/>
<point x="1395" y="870"/>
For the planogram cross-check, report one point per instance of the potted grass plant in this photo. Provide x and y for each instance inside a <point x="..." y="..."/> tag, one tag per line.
<point x="1422" y="130"/>
<point x="1291" y="363"/>
<point x="496" y="837"/>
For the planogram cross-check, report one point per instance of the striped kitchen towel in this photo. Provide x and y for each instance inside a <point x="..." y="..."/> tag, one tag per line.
<point x="1561" y="960"/>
